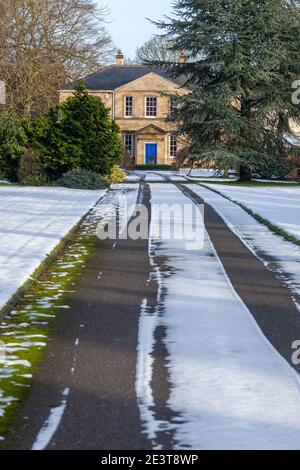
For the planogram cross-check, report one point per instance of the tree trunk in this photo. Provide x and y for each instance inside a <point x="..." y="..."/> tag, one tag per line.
<point x="245" y="173"/>
<point x="191" y="169"/>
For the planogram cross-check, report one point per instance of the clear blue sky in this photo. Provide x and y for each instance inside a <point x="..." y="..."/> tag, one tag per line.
<point x="129" y="26"/>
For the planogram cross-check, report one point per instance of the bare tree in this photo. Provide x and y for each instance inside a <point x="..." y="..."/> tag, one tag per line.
<point x="45" y="43"/>
<point x="157" y="49"/>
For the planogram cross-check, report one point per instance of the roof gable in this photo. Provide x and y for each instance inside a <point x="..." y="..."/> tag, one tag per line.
<point x="116" y="76"/>
<point x="151" y="81"/>
<point x="151" y="129"/>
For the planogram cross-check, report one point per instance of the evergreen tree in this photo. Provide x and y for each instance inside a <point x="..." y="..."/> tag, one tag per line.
<point x="13" y="139"/>
<point x="78" y="134"/>
<point x="243" y="56"/>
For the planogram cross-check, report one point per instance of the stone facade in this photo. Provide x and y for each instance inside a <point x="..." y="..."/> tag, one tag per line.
<point x="144" y="130"/>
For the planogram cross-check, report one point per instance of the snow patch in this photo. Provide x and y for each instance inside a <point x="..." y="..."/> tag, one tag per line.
<point x="51" y="425"/>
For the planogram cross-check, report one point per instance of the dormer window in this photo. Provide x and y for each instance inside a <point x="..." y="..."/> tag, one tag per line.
<point x="128" y="106"/>
<point x="151" y="106"/>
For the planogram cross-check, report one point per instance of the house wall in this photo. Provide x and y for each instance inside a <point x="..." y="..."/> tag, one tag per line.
<point x="149" y="85"/>
<point x="105" y="96"/>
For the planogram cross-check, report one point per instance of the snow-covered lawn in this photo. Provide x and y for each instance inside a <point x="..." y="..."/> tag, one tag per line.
<point x="229" y="388"/>
<point x="260" y="240"/>
<point x="33" y="221"/>
<point x="279" y="205"/>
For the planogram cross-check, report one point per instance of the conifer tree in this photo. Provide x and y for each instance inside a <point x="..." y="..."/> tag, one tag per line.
<point x="78" y="133"/>
<point x="243" y="56"/>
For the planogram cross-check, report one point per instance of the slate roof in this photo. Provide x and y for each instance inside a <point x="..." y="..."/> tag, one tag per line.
<point x="114" y="76"/>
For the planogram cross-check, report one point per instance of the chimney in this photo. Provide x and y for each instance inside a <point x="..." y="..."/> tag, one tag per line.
<point x="120" y="59"/>
<point x="182" y="57"/>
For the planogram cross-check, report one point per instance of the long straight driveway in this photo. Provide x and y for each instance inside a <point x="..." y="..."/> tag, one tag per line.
<point x="162" y="348"/>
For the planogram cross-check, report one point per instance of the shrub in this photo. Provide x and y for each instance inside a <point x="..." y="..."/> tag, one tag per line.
<point x="37" y="180"/>
<point x="82" y="179"/>
<point x="294" y="161"/>
<point x="12" y="140"/>
<point x="183" y="158"/>
<point x="277" y="167"/>
<point x="128" y="161"/>
<point x="117" y="175"/>
<point x="29" y="166"/>
<point x="78" y="134"/>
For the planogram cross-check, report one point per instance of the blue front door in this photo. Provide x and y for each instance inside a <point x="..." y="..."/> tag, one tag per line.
<point x="151" y="154"/>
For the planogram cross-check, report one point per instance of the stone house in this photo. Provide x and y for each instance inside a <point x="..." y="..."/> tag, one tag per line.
<point x="139" y="98"/>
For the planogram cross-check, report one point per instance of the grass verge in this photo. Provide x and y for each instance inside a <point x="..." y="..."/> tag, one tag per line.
<point x="26" y="328"/>
<point x="274" y="228"/>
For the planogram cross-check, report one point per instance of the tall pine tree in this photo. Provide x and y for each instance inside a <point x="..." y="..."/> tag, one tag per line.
<point x="243" y="56"/>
